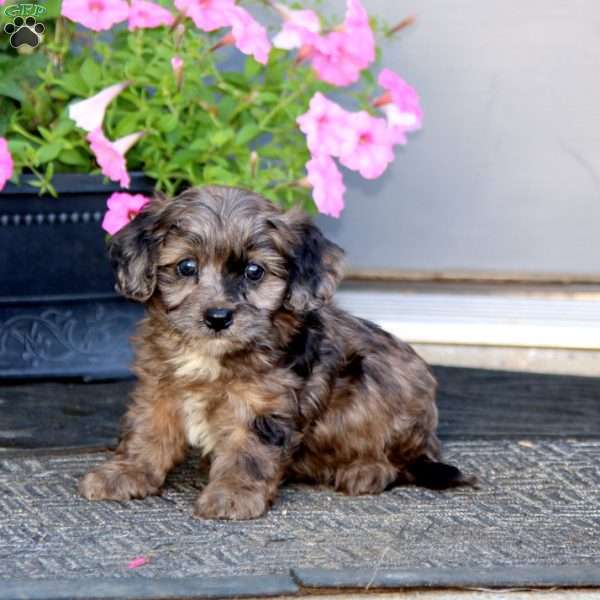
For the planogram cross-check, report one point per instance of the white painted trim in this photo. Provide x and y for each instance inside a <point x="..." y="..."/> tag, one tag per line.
<point x="483" y="320"/>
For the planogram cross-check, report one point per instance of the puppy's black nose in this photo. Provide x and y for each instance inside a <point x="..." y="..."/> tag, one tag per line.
<point x="218" y="318"/>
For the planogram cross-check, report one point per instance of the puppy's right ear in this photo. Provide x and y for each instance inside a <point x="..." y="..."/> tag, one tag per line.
<point x="132" y="252"/>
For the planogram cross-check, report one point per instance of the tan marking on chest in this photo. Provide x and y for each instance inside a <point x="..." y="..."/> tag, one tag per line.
<point x="198" y="430"/>
<point x="197" y="365"/>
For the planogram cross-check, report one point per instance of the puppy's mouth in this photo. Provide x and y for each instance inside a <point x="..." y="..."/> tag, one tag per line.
<point x="216" y="335"/>
<point x="226" y="337"/>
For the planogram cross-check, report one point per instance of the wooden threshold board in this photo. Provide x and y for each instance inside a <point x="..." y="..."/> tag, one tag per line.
<point x="473" y="404"/>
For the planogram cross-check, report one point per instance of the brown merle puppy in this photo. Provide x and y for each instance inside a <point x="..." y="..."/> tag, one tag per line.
<point x="243" y="354"/>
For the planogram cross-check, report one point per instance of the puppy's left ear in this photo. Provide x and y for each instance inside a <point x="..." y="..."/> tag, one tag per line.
<point x="315" y="264"/>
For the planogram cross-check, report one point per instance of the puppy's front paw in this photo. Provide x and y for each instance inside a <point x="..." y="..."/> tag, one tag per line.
<point x="117" y="481"/>
<point x="219" y="501"/>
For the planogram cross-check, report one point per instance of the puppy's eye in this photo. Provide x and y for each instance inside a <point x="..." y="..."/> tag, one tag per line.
<point x="188" y="267"/>
<point x="254" y="272"/>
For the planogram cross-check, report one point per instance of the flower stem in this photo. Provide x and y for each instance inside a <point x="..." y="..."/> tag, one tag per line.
<point x="281" y="105"/>
<point x="406" y="22"/>
<point x="16" y="127"/>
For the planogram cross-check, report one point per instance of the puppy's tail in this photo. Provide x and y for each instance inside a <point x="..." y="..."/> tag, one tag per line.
<point x="434" y="475"/>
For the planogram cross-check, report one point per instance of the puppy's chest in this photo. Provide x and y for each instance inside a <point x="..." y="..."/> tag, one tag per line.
<point x="198" y="416"/>
<point x="201" y="395"/>
<point x="214" y="400"/>
<point x="212" y="412"/>
<point x="196" y="366"/>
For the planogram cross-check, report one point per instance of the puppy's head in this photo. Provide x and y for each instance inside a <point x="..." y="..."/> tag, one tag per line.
<point x="221" y="262"/>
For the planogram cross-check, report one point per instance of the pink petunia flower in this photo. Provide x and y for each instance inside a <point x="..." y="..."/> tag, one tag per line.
<point x="123" y="208"/>
<point x="207" y="15"/>
<point x="400" y="103"/>
<point x="327" y="127"/>
<point x="374" y="147"/>
<point x="331" y="61"/>
<point x="89" y="114"/>
<point x="111" y="155"/>
<point x="148" y="15"/>
<point x="97" y="15"/>
<point x="299" y="28"/>
<point x="327" y="183"/>
<point x="248" y="35"/>
<point x="356" y="16"/>
<point x="340" y="56"/>
<point x="6" y="163"/>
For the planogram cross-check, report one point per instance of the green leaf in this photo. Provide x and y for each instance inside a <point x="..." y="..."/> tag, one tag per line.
<point x="200" y="144"/>
<point x="247" y="133"/>
<point x="59" y="94"/>
<point x="11" y="89"/>
<point x="126" y="124"/>
<point x="74" y="83"/>
<point x="27" y="66"/>
<point x="173" y="137"/>
<point x="221" y="137"/>
<point x="90" y="72"/>
<point x="236" y="79"/>
<point x="4" y="118"/>
<point x="18" y="146"/>
<point x="169" y="123"/>
<point x="251" y="68"/>
<point x="227" y="106"/>
<point x="46" y="133"/>
<point x="183" y="157"/>
<point x="131" y="43"/>
<point x="271" y="151"/>
<point x="74" y="157"/>
<point x="216" y="174"/>
<point x="220" y="160"/>
<point x="268" y="98"/>
<point x="52" y="10"/>
<point x="64" y="126"/>
<point x="49" y="152"/>
<point x="49" y="174"/>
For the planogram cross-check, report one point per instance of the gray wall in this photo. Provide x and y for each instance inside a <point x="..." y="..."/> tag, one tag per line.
<point x="505" y="175"/>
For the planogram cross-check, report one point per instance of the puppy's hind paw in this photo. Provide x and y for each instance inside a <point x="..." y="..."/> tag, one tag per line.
<point x="222" y="502"/>
<point x="364" y="478"/>
<point x="114" y="481"/>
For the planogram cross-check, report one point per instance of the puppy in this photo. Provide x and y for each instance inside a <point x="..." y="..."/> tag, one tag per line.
<point x="244" y="355"/>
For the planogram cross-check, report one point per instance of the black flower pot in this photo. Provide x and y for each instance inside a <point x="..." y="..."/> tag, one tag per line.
<point x="59" y="313"/>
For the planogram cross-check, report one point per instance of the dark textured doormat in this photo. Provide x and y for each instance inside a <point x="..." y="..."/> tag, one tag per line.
<point x="535" y="521"/>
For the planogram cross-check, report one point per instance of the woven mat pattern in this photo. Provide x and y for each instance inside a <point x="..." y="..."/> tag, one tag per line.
<point x="539" y="504"/>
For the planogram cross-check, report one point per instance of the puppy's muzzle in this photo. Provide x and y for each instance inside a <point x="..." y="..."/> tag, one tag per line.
<point x="218" y="318"/>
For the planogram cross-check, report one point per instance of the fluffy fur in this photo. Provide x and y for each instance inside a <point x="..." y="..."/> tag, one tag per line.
<point x="294" y="388"/>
